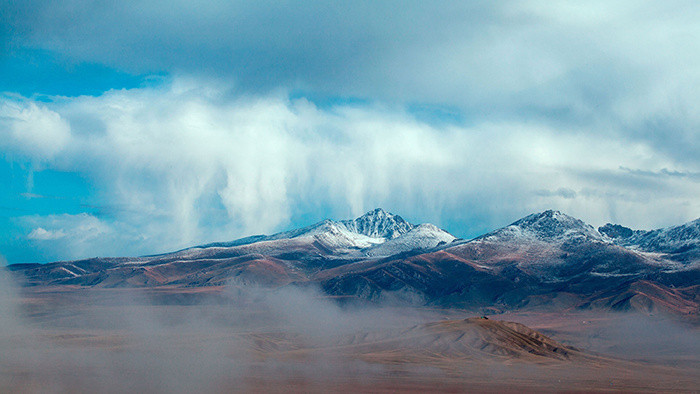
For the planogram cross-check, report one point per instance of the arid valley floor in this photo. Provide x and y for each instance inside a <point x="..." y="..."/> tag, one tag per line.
<point x="223" y="339"/>
<point x="372" y="304"/>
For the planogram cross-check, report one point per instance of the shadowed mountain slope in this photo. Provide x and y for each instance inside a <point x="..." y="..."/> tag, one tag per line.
<point x="678" y="243"/>
<point x="547" y="259"/>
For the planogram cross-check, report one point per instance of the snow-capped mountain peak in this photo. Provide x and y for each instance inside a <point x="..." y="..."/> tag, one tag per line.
<point x="379" y="224"/>
<point x="548" y="225"/>
<point x="555" y="224"/>
<point x="424" y="236"/>
<point x="676" y="239"/>
<point x="373" y="228"/>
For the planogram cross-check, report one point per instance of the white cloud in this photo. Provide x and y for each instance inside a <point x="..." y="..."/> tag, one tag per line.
<point x="42" y="234"/>
<point x="31" y="129"/>
<point x="585" y="108"/>
<point x="190" y="165"/>
<point x="599" y="67"/>
<point x="74" y="236"/>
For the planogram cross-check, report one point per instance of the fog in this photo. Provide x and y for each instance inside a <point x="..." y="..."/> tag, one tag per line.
<point x="639" y="336"/>
<point x="251" y="338"/>
<point x="117" y="341"/>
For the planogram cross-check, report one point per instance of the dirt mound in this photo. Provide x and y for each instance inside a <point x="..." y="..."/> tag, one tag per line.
<point x="448" y="341"/>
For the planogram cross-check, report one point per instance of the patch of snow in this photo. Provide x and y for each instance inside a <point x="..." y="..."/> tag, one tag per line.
<point x="424" y="236"/>
<point x="68" y="271"/>
<point x="611" y="275"/>
<point x="547" y="225"/>
<point x="379" y="224"/>
<point x="676" y="239"/>
<point x="367" y="231"/>
<point x="76" y="268"/>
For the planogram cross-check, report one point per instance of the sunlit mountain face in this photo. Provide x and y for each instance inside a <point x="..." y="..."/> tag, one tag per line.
<point x="543" y="260"/>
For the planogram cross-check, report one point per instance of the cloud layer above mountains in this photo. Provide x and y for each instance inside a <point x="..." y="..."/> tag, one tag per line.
<point x="186" y="163"/>
<point x="269" y="115"/>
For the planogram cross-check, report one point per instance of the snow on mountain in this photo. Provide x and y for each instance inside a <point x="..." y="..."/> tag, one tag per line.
<point x="676" y="239"/>
<point x="337" y="235"/>
<point x="545" y="226"/>
<point x="374" y="227"/>
<point x="553" y="247"/>
<point x="424" y="236"/>
<point x="379" y="224"/>
<point x="546" y="258"/>
<point x="367" y="231"/>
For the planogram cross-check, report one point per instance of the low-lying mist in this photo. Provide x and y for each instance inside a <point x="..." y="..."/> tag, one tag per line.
<point x="131" y="340"/>
<point x="120" y="340"/>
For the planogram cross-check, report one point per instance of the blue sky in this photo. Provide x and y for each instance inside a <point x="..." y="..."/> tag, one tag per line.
<point x="138" y="128"/>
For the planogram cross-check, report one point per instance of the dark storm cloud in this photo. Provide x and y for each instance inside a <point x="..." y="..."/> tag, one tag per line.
<point x="260" y="44"/>
<point x="663" y="173"/>
<point x="623" y="67"/>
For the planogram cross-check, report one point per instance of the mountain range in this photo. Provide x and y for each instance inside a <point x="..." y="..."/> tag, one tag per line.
<point x="544" y="260"/>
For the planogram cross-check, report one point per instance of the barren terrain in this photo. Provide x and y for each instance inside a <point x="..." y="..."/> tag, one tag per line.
<point x="221" y="340"/>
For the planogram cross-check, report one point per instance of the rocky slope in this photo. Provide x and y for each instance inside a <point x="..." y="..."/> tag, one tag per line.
<point x="547" y="259"/>
<point x="679" y="243"/>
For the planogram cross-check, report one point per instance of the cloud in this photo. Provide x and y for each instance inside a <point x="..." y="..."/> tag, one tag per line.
<point x="626" y="68"/>
<point x="191" y="162"/>
<point x="662" y="173"/>
<point x="561" y="192"/>
<point x="30" y="196"/>
<point x="44" y="235"/>
<point x="73" y="236"/>
<point x="551" y="57"/>
<point x="31" y="129"/>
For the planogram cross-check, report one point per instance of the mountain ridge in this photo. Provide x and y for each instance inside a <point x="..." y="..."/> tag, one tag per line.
<point x="549" y="225"/>
<point x="373" y="227"/>
<point x="673" y="239"/>
<point x="543" y="259"/>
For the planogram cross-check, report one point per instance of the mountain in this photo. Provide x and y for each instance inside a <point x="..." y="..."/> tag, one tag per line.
<point x="276" y="259"/>
<point x="379" y="224"/>
<point x="422" y="237"/>
<point x="372" y="228"/>
<point x="679" y="243"/>
<point x="544" y="260"/>
<point x="546" y="226"/>
<point x="553" y="246"/>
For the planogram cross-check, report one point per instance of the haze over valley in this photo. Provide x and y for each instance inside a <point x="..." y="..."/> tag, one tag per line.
<point x="368" y="304"/>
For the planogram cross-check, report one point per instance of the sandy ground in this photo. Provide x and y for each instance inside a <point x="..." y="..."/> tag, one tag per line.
<point x="103" y="342"/>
